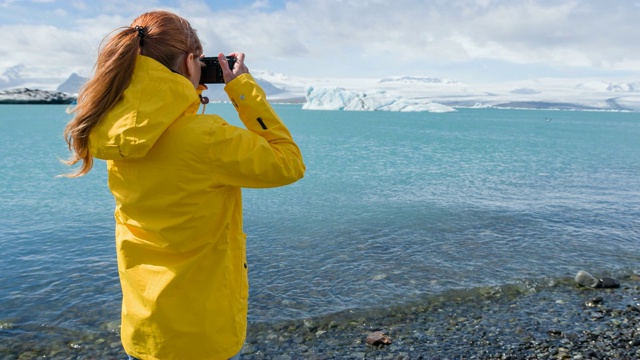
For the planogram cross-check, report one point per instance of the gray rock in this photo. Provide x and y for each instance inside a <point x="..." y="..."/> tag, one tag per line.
<point x="583" y="278"/>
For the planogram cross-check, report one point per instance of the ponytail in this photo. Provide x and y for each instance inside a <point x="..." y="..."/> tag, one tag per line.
<point x="164" y="36"/>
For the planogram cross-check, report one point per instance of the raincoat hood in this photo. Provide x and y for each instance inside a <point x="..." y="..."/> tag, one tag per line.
<point x="155" y="98"/>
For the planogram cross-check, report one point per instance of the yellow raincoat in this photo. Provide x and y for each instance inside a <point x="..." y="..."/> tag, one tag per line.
<point x="176" y="178"/>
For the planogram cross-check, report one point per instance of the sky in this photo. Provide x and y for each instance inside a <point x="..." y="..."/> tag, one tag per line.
<point x="472" y="41"/>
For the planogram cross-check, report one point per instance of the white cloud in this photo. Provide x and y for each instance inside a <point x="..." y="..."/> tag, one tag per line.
<point x="562" y="34"/>
<point x="355" y="38"/>
<point x="260" y="4"/>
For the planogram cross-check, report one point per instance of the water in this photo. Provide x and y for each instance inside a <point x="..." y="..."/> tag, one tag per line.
<point x="393" y="207"/>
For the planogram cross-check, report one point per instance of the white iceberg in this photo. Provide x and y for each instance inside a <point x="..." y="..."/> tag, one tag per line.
<point x="337" y="98"/>
<point x="35" y="96"/>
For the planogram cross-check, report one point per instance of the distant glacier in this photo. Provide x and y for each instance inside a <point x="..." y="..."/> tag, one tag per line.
<point x="337" y="98"/>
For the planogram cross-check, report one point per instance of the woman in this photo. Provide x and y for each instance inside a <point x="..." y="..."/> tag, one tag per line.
<point x="176" y="177"/>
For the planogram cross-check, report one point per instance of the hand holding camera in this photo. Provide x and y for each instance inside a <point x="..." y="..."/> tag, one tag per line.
<point x="222" y="69"/>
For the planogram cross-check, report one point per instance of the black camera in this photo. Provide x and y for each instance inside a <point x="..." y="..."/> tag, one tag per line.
<point x="212" y="72"/>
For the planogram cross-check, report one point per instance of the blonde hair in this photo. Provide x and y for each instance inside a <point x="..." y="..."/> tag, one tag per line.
<point x="161" y="35"/>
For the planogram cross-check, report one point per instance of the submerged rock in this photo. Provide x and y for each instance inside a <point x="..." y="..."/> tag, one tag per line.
<point x="594" y="302"/>
<point x="583" y="278"/>
<point x="608" y="283"/>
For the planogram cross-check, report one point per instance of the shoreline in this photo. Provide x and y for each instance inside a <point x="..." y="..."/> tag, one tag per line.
<point x="559" y="321"/>
<point x="552" y="320"/>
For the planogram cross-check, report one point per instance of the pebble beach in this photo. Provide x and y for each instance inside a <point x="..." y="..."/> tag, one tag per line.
<point x="551" y="319"/>
<point x="559" y="320"/>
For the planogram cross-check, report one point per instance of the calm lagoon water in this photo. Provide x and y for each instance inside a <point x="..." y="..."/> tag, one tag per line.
<point x="393" y="207"/>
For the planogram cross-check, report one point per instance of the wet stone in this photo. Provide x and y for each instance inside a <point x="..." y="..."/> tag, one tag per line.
<point x="585" y="279"/>
<point x="608" y="283"/>
<point x="378" y="338"/>
<point x="598" y="300"/>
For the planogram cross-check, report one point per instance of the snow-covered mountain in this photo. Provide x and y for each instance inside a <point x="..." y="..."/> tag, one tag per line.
<point x="524" y="91"/>
<point x="11" y="77"/>
<point x="73" y="84"/>
<point x="602" y="86"/>
<point x="416" y="80"/>
<point x="28" y="77"/>
<point x="215" y="92"/>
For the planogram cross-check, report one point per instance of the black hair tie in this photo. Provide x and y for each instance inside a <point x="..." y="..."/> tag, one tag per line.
<point x="140" y="30"/>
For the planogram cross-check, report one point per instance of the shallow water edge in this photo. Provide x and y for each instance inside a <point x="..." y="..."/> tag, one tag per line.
<point x="541" y="318"/>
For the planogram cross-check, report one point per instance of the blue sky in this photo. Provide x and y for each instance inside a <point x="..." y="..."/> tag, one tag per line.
<point x="464" y="40"/>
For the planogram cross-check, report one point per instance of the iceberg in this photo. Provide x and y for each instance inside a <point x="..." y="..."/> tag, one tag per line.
<point x="29" y="96"/>
<point x="337" y="98"/>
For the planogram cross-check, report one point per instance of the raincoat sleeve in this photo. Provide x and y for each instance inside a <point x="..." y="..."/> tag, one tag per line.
<point x="265" y="155"/>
